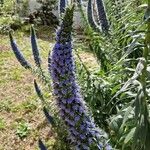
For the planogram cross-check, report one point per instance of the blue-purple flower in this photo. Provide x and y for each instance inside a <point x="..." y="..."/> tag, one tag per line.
<point x="82" y="131"/>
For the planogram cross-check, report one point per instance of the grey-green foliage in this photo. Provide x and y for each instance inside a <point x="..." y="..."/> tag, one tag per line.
<point x="136" y="88"/>
<point x="117" y="95"/>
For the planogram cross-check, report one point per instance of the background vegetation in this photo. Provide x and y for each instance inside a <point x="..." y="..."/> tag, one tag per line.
<point x="112" y="70"/>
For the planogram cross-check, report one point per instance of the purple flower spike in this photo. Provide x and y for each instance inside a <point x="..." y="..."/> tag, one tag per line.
<point x="18" y="53"/>
<point x="90" y="17"/>
<point x="35" y="49"/>
<point x="102" y="15"/>
<point x="62" y="5"/>
<point x="82" y="131"/>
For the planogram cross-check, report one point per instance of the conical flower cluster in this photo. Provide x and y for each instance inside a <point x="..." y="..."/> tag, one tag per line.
<point x="20" y="57"/>
<point x="82" y="131"/>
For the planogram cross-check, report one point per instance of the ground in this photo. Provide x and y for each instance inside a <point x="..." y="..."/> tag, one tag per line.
<point x="22" y="121"/>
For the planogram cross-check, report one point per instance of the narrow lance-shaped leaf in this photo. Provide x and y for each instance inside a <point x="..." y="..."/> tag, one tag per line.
<point x="18" y="53"/>
<point x="41" y="145"/>
<point x="129" y="136"/>
<point x="35" y="49"/>
<point x="137" y="73"/>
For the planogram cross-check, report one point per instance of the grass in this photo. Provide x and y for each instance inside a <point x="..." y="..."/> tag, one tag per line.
<point x="2" y="124"/>
<point x="22" y="121"/>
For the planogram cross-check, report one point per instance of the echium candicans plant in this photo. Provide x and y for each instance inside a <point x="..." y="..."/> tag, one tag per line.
<point x="90" y="17"/>
<point x="102" y="15"/>
<point x="81" y="129"/>
<point x="55" y="122"/>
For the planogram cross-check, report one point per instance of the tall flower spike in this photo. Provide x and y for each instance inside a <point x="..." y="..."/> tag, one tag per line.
<point x="90" y="17"/>
<point x="62" y="6"/>
<point x="102" y="15"/>
<point x="18" y="53"/>
<point x="82" y="131"/>
<point x="35" y="49"/>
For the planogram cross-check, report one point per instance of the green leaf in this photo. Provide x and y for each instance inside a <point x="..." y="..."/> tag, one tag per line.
<point x="125" y="118"/>
<point x="129" y="136"/>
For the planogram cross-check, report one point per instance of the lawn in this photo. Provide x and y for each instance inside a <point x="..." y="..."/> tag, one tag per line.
<point x="21" y="120"/>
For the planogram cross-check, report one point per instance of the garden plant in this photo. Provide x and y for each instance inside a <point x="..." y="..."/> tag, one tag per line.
<point x="103" y="107"/>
